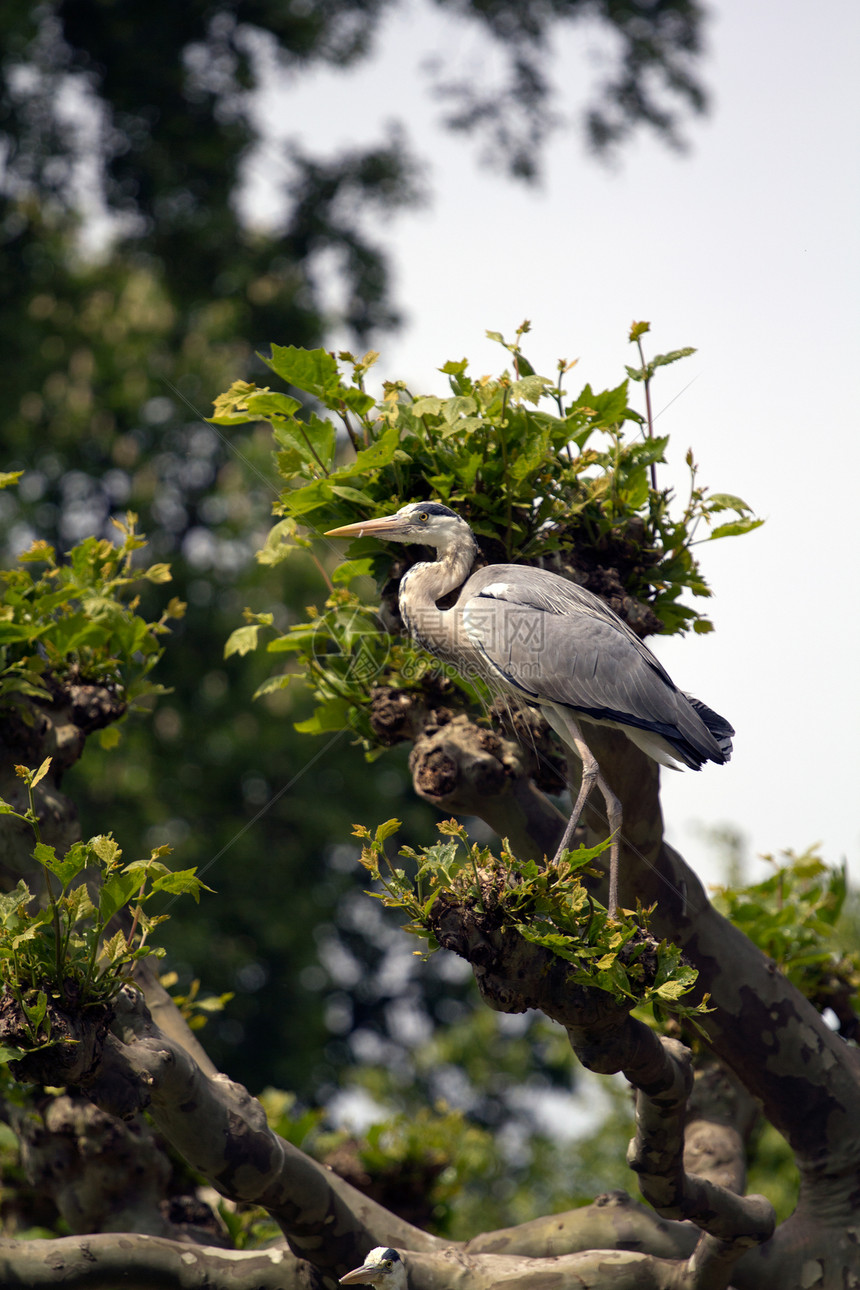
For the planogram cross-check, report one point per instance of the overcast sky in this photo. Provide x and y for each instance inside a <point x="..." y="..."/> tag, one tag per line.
<point x="745" y="247"/>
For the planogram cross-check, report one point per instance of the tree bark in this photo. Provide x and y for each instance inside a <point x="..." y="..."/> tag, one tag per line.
<point x="803" y="1075"/>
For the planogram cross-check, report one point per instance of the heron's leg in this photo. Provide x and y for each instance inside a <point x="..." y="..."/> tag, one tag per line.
<point x="591" y="774"/>
<point x="613" y="814"/>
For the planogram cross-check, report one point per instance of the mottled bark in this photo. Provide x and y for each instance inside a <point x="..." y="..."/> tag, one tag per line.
<point x="611" y="1221"/>
<point x="781" y="1053"/>
<point x="141" y="1262"/>
<point x="103" y="1175"/>
<point x="465" y="769"/>
<point x="514" y="975"/>
<point x="222" y="1132"/>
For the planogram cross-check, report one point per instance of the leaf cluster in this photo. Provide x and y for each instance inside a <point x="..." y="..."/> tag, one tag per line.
<point x="78" y="617"/>
<point x="792" y="917"/>
<point x="542" y="476"/>
<point x="549" y="906"/>
<point x="196" y="1008"/>
<point x="72" y="950"/>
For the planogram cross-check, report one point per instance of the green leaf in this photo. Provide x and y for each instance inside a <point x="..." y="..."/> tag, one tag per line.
<point x="158" y="573"/>
<point x="32" y="931"/>
<point x="8" y="1054"/>
<point x="332" y="715"/>
<point x="105" y="848"/>
<point x="357" y="400"/>
<point x="45" y="855"/>
<point x="734" y="529"/>
<point x="36" y="1012"/>
<point x="144" y="869"/>
<point x="312" y="442"/>
<point x="672" y="990"/>
<point x="353" y="494"/>
<point x="427" y="406"/>
<point x="379" y="454"/>
<point x="531" y="387"/>
<point x="280" y="541"/>
<point x="462" y="405"/>
<point x="66" y="869"/>
<point x="116" y="892"/>
<point x="11" y="902"/>
<point x="265" y="404"/>
<point x="299" y="501"/>
<point x="182" y="882"/>
<point x="9" y="477"/>
<point x="10" y="632"/>
<point x="387" y="830"/>
<point x="115" y="947"/>
<point x="41" y="772"/>
<point x="77" y="904"/>
<point x="727" y="502"/>
<point x="242" y="641"/>
<point x="344" y="573"/>
<point x="272" y="684"/>
<point x="313" y="370"/>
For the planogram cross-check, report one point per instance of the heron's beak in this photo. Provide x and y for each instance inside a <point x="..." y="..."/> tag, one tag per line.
<point x="385" y="526"/>
<point x="367" y="1274"/>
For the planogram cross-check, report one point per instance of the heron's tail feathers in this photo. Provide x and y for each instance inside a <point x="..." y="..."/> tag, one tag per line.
<point x="718" y="726"/>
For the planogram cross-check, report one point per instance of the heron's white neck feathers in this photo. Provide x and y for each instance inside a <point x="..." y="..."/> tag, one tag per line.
<point x="425" y="583"/>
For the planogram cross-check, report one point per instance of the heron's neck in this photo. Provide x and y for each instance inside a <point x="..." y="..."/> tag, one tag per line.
<point x="424" y="584"/>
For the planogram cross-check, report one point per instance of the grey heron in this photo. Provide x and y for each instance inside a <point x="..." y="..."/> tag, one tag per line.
<point x="383" y="1267"/>
<point x="552" y="643"/>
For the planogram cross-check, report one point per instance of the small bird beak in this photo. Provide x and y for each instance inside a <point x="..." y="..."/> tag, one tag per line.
<point x="367" y="1274"/>
<point x="385" y="526"/>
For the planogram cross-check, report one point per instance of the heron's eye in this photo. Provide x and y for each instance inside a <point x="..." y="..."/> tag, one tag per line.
<point x="423" y="517"/>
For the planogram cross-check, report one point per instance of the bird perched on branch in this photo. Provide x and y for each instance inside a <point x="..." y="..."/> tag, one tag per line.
<point x="383" y="1267"/>
<point x="537" y="636"/>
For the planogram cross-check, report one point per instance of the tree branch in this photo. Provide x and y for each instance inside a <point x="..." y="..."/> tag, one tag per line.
<point x="612" y="1221"/>
<point x="222" y="1132"/>
<point x="138" y="1262"/>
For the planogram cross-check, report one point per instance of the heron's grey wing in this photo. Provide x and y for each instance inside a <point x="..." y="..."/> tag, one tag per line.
<point x="555" y="643"/>
<point x="548" y="592"/>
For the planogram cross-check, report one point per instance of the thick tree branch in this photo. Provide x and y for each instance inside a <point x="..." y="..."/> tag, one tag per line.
<point x="222" y="1132"/>
<point x="776" y="1043"/>
<point x="611" y="1222"/>
<point x="720" y="1117"/>
<point x="138" y="1262"/>
<point x="656" y="1155"/>
<point x="805" y="1077"/>
<point x="464" y="769"/>
<point x="514" y="975"/>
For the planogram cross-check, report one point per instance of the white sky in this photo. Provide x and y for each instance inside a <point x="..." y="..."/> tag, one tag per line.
<point x="747" y="248"/>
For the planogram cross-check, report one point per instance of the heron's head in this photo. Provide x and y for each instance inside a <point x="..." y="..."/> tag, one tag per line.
<point x="429" y="523"/>
<point x="383" y="1267"/>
